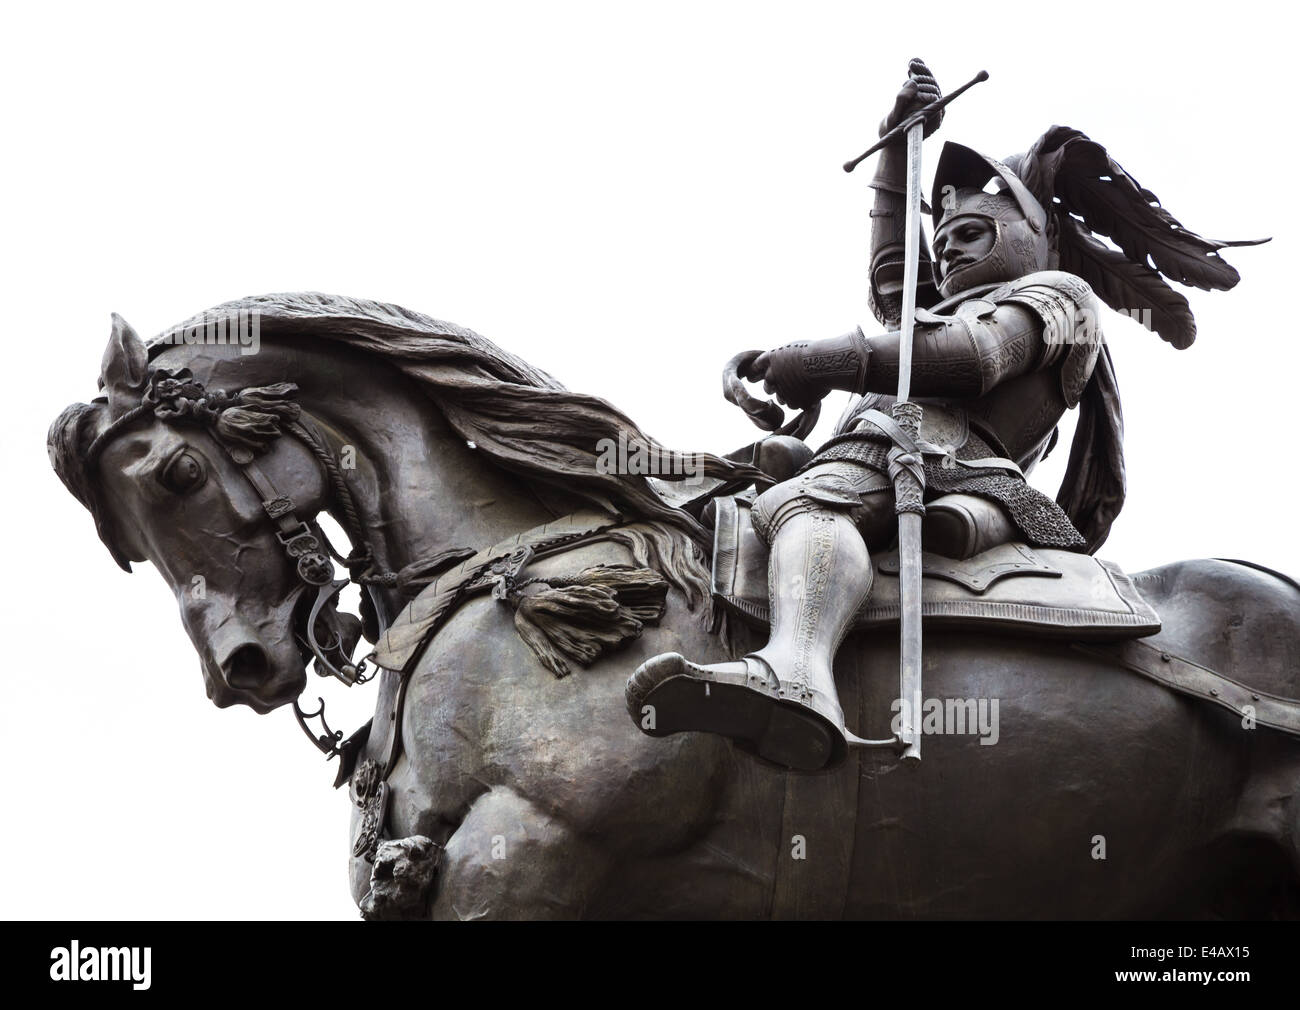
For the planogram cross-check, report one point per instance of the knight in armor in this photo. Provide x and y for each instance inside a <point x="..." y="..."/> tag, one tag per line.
<point x="1006" y="340"/>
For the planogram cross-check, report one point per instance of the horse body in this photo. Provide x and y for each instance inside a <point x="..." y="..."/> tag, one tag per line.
<point x="548" y="801"/>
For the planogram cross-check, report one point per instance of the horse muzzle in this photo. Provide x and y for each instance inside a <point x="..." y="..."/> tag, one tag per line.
<point x="242" y="667"/>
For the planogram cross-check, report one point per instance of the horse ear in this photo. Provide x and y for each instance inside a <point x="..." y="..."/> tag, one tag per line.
<point x="125" y="369"/>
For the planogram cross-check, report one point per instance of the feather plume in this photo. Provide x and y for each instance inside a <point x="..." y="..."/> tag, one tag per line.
<point x="1065" y="166"/>
<point x="1125" y="285"/>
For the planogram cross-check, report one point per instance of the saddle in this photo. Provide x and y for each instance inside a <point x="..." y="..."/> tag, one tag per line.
<point x="1007" y="587"/>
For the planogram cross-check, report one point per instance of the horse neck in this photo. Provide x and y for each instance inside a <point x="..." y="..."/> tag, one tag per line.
<point x="418" y="486"/>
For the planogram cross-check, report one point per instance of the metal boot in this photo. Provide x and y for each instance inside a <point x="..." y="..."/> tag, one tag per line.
<point x="779" y="702"/>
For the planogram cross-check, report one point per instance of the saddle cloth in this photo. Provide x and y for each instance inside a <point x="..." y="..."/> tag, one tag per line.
<point x="1011" y="587"/>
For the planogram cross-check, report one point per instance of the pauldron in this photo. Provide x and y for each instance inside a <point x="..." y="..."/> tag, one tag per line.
<point x="1070" y="315"/>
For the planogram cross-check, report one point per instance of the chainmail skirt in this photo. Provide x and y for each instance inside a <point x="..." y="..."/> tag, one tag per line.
<point x="1042" y="522"/>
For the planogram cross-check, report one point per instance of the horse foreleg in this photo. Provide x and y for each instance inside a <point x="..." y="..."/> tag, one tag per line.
<point x="511" y="860"/>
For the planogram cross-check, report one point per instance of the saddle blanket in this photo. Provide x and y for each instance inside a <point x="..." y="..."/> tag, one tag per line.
<point x="1011" y="587"/>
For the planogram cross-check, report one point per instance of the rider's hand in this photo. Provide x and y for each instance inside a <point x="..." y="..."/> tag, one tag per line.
<point x="920" y="90"/>
<point x="782" y="373"/>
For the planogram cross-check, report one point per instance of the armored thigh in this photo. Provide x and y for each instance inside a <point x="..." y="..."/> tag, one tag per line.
<point x="840" y="486"/>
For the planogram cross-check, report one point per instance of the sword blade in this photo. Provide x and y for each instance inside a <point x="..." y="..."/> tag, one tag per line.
<point x="911" y="259"/>
<point x="909" y="523"/>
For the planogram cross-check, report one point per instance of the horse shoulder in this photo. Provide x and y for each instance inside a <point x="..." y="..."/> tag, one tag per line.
<point x="482" y="713"/>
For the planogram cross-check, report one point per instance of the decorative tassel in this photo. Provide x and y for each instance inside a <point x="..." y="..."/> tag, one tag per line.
<point x="587" y="615"/>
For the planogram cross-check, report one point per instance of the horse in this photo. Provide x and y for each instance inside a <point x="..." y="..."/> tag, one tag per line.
<point x="527" y="795"/>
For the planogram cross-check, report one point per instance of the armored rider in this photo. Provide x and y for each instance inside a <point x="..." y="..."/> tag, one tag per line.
<point x="1005" y="344"/>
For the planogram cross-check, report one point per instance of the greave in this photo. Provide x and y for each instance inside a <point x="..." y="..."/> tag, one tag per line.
<point x="819" y="574"/>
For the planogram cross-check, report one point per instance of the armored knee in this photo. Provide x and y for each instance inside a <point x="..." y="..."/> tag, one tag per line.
<point x="806" y="493"/>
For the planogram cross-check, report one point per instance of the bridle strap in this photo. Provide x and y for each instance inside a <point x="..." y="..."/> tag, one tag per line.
<point x="300" y="543"/>
<point x="309" y="550"/>
<point x="178" y="395"/>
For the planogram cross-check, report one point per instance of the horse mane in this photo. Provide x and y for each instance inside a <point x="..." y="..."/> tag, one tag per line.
<point x="515" y="414"/>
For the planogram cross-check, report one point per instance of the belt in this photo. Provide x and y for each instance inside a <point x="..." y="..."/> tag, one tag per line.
<point x="890" y="428"/>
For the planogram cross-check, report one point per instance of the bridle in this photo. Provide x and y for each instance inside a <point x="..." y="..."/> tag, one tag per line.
<point x="174" y="396"/>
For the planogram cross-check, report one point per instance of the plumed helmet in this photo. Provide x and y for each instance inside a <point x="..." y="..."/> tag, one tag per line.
<point x="1021" y="244"/>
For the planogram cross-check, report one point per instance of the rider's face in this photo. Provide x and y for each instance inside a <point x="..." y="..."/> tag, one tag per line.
<point x="963" y="241"/>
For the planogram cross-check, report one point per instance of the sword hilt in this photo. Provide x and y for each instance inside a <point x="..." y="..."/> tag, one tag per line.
<point x="913" y="119"/>
<point x="907" y="469"/>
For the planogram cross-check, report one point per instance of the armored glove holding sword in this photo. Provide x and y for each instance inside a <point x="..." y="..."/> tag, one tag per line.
<point x="958" y="402"/>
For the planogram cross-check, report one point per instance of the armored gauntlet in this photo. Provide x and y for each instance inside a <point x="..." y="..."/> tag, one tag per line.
<point x="803" y="372"/>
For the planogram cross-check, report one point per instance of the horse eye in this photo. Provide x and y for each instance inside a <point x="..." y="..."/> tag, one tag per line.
<point x="183" y="474"/>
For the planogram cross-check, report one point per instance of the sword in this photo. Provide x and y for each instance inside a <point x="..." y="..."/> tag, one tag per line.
<point x="906" y="468"/>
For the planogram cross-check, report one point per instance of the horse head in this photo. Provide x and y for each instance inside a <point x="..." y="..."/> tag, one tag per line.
<point x="209" y="486"/>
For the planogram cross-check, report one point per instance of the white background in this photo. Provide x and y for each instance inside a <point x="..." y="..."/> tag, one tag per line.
<point x="624" y="195"/>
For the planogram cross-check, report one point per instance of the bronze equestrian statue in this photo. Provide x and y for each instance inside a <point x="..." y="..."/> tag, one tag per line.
<point x="1103" y="745"/>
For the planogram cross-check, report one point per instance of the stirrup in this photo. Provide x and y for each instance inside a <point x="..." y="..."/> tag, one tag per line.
<point x="801" y="730"/>
<point x="895" y="742"/>
<point x="835" y="717"/>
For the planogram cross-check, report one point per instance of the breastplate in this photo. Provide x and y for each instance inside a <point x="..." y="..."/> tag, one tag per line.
<point x="1021" y="413"/>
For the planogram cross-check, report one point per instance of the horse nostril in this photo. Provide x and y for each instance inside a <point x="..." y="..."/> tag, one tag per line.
<point x="246" y="668"/>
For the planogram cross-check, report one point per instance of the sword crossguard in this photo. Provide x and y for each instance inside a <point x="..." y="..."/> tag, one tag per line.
<point x="916" y="117"/>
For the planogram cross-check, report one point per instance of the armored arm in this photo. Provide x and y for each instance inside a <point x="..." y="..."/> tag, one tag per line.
<point x="888" y="234"/>
<point x="965" y="354"/>
<point x="1037" y="322"/>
